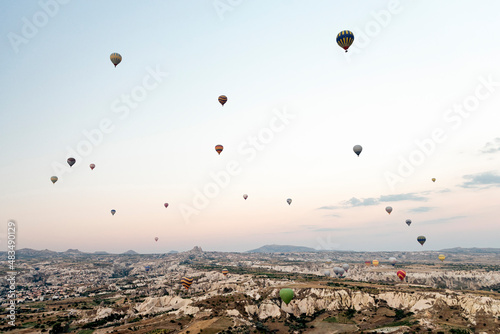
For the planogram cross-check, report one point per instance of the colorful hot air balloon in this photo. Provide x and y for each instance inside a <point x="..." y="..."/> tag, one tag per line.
<point x="401" y="274"/>
<point x="375" y="262"/>
<point x="286" y="295"/>
<point x="225" y="272"/>
<point x="289" y="201"/>
<point x="433" y="179"/>
<point x="388" y="209"/>
<point x="186" y="282"/>
<point x="222" y="99"/>
<point x="368" y="263"/>
<point x="92" y="166"/>
<point x="71" y="161"/>
<point x="147" y="268"/>
<point x="408" y="222"/>
<point x="357" y="149"/>
<point x="441" y="257"/>
<point x="113" y="212"/>
<point x="219" y="148"/>
<point x="345" y="39"/>
<point x="156" y="238"/>
<point x="345" y="266"/>
<point x="115" y="58"/>
<point x="392" y="260"/>
<point x="54" y="179"/>
<point x="165" y="205"/>
<point x="245" y="196"/>
<point x="421" y="239"/>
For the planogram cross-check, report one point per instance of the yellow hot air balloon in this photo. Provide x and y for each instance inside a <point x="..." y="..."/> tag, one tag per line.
<point x="375" y="262"/>
<point x="115" y="58"/>
<point x="441" y="257"/>
<point x="222" y="99"/>
<point x="433" y="179"/>
<point x="186" y="282"/>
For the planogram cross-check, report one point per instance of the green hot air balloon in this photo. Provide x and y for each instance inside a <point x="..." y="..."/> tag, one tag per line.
<point x="286" y="295"/>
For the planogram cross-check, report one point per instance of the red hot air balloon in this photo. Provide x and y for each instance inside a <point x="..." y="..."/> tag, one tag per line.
<point x="401" y="274"/>
<point x="92" y="166"/>
<point x="166" y="205"/>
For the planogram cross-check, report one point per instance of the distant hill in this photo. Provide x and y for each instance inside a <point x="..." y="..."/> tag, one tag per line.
<point x="101" y="253"/>
<point x="172" y="252"/>
<point x="73" y="251"/>
<point x="473" y="250"/>
<point x="130" y="252"/>
<point x="282" y="249"/>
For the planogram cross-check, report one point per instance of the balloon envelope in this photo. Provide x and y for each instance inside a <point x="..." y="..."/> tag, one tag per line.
<point x="392" y="260"/>
<point x="222" y="99"/>
<point x="289" y="201"/>
<point x="375" y="262"/>
<point x="345" y="39"/>
<point x="341" y="272"/>
<point x="71" y="161"/>
<point x="92" y="166"/>
<point x="186" y="282"/>
<point x="113" y="212"/>
<point x="286" y="295"/>
<point x="54" y="179"/>
<point x="357" y="149"/>
<point x="408" y="222"/>
<point x="433" y="179"/>
<point x="421" y="239"/>
<point x="156" y="238"/>
<point x="115" y="58"/>
<point x="345" y="266"/>
<point x="166" y="205"/>
<point x="388" y="209"/>
<point x="225" y="271"/>
<point x="441" y="257"/>
<point x="245" y="196"/>
<point x="326" y="272"/>
<point x="368" y="263"/>
<point x="401" y="274"/>
<point x="219" y="148"/>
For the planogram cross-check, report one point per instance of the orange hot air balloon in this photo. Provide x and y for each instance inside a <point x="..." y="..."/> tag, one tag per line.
<point x="186" y="282"/>
<point x="375" y="262"/>
<point x="368" y="263"/>
<point x="92" y="166"/>
<point x="401" y="274"/>
<point x="219" y="148"/>
<point x="225" y="272"/>
<point x="222" y="99"/>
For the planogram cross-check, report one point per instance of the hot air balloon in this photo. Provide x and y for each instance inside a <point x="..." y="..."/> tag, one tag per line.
<point x="401" y="274"/>
<point x="113" y="212"/>
<point x="54" y="179"/>
<point x="345" y="266"/>
<point x="408" y="222"/>
<point x="392" y="260"/>
<point x="92" y="166"/>
<point x="421" y="239"/>
<point x="186" y="282"/>
<point x="357" y="149"/>
<point x="345" y="39"/>
<point x="286" y="295"/>
<point x="433" y="179"/>
<point x="219" y="148"/>
<point x="368" y="263"/>
<point x="71" y="161"/>
<point x="341" y="272"/>
<point x="388" y="209"/>
<point x="441" y="257"/>
<point x="245" y="196"/>
<point x="156" y="238"/>
<point x="165" y="205"/>
<point x="225" y="272"/>
<point x="115" y="58"/>
<point x="289" y="201"/>
<point x="336" y="270"/>
<point x="326" y="272"/>
<point x="147" y="268"/>
<point x="222" y="99"/>
<point x="375" y="262"/>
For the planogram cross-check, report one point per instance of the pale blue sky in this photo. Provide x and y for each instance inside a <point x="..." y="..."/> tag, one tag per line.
<point x="410" y="64"/>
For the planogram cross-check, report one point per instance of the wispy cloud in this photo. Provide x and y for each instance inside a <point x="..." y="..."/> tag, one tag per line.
<point x="355" y="202"/>
<point x="492" y="146"/>
<point x="441" y="220"/>
<point x="486" y="179"/>
<point x="421" y="209"/>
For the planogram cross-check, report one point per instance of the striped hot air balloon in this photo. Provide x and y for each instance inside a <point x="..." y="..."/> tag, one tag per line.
<point x="375" y="262"/>
<point x="219" y="148"/>
<point x="186" y="282"/>
<point x="225" y="272"/>
<point x="421" y="239"/>
<point x="401" y="274"/>
<point x="115" y="58"/>
<point x="345" y="39"/>
<point x="222" y="99"/>
<point x="54" y="179"/>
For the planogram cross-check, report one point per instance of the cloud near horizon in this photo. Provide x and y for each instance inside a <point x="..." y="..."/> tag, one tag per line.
<point x="422" y="209"/>
<point x="492" y="147"/>
<point x="355" y="202"/>
<point x="486" y="179"/>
